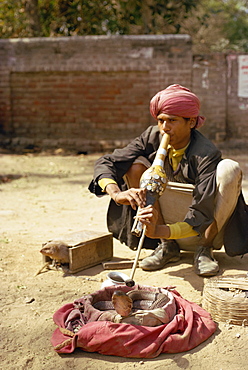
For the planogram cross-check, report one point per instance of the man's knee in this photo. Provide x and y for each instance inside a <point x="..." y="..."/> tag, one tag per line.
<point x="134" y="174"/>
<point x="228" y="171"/>
<point x="228" y="179"/>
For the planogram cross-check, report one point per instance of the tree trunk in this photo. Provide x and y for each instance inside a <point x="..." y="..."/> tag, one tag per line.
<point x="32" y="9"/>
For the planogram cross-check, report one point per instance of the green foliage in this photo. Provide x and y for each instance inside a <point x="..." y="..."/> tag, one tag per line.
<point x="214" y="25"/>
<point x="13" y="20"/>
<point x="19" y="18"/>
<point x="218" y="25"/>
<point x="236" y="26"/>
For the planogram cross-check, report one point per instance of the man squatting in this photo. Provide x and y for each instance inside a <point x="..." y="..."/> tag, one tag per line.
<point x="192" y="218"/>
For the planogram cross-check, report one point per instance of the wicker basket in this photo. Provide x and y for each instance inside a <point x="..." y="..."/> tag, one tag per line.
<point x="226" y="299"/>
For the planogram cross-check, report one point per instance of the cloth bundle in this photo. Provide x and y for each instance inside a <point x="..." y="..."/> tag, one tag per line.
<point x="79" y="327"/>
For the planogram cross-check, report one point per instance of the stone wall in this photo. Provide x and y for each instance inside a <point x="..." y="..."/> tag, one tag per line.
<point x="92" y="93"/>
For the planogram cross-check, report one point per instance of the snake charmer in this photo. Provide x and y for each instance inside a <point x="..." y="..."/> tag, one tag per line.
<point x="202" y="192"/>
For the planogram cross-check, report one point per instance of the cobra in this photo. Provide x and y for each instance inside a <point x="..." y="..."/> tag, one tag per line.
<point x="137" y="307"/>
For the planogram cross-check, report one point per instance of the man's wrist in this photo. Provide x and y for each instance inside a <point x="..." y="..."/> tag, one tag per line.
<point x="113" y="191"/>
<point x="104" y="182"/>
<point x="162" y="231"/>
<point x="114" y="197"/>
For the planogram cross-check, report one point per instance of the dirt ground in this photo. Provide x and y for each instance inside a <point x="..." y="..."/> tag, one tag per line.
<point x="45" y="195"/>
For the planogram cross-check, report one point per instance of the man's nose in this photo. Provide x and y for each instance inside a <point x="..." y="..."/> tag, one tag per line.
<point x="165" y="125"/>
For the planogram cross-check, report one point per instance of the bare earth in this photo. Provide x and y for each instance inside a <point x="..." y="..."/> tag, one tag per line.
<point x="43" y="196"/>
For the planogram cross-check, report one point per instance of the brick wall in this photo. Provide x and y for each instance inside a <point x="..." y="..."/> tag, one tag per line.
<point x="210" y="84"/>
<point x="88" y="93"/>
<point x="215" y="80"/>
<point x="92" y="93"/>
<point x="5" y="89"/>
<point x="93" y="105"/>
<point x="237" y="107"/>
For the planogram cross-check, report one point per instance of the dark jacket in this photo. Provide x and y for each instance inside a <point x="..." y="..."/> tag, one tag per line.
<point x="198" y="167"/>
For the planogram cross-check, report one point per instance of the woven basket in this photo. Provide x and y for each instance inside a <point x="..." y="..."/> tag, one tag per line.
<point x="226" y="299"/>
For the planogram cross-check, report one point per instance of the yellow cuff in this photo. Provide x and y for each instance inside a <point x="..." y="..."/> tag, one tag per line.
<point x="181" y="230"/>
<point x="104" y="182"/>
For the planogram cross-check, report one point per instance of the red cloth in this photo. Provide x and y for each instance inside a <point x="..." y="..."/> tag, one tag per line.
<point x="177" y="100"/>
<point x="190" y="326"/>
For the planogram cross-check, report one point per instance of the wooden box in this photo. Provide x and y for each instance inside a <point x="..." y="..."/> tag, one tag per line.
<point x="86" y="248"/>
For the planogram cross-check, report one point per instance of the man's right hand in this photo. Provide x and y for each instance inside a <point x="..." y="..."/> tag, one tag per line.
<point x="136" y="197"/>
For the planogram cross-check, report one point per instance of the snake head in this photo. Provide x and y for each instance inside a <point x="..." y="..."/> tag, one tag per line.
<point x="122" y="303"/>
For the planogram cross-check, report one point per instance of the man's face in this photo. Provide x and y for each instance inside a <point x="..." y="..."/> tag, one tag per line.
<point x="177" y="127"/>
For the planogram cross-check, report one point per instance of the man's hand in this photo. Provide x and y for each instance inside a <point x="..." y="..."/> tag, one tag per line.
<point x="149" y="217"/>
<point x="134" y="197"/>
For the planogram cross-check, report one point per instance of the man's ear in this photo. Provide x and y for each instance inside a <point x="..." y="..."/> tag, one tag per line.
<point x="192" y="122"/>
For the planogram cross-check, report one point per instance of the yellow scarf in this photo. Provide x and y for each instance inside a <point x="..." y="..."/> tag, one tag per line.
<point x="176" y="155"/>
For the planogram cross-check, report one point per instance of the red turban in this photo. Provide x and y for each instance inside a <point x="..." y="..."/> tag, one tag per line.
<point x="177" y="100"/>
